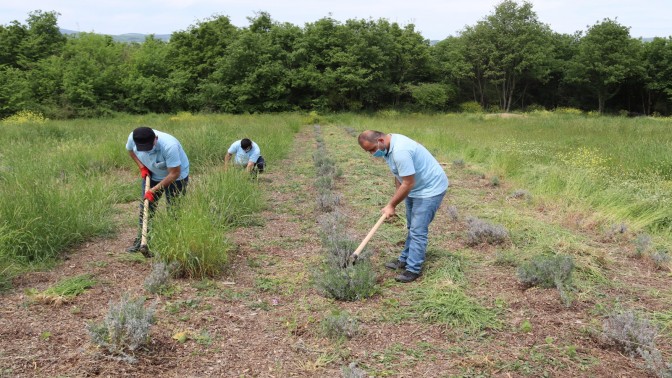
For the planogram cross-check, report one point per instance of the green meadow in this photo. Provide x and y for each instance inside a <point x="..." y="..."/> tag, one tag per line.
<point x="573" y="202"/>
<point x="620" y="167"/>
<point x="61" y="180"/>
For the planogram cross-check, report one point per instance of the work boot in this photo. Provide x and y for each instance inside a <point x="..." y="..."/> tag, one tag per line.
<point x="395" y="264"/>
<point x="407" y="276"/>
<point x="135" y="247"/>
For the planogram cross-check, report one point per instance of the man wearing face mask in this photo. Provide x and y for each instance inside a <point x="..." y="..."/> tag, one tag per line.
<point x="247" y="154"/>
<point x="162" y="157"/>
<point x="420" y="182"/>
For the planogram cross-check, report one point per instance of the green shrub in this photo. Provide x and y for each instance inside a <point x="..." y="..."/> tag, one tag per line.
<point x="569" y="111"/>
<point x="125" y="329"/>
<point x="642" y="244"/>
<point x="339" y="325"/>
<point x="547" y="272"/>
<point x="159" y="278"/>
<point x="352" y="283"/>
<point x="471" y="107"/>
<point x="453" y="214"/>
<point x="352" y="371"/>
<point x="480" y="231"/>
<point x="629" y="332"/>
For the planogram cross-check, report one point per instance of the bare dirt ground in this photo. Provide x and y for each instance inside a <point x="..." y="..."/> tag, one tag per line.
<point x="262" y="318"/>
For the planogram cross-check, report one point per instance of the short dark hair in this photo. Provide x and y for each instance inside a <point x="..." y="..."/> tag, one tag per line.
<point x="370" y="136"/>
<point x="245" y="143"/>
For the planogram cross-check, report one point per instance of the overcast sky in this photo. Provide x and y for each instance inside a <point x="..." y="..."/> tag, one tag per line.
<point x="434" y="19"/>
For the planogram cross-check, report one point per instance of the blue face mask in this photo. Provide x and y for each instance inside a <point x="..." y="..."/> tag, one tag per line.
<point x="380" y="153"/>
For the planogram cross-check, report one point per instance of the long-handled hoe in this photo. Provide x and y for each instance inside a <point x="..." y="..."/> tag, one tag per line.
<point x="145" y="219"/>
<point x="355" y="255"/>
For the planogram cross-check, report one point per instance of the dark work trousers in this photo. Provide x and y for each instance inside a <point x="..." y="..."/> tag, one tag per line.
<point x="174" y="190"/>
<point x="260" y="165"/>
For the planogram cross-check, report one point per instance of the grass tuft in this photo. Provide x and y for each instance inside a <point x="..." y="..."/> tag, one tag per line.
<point x="65" y="291"/>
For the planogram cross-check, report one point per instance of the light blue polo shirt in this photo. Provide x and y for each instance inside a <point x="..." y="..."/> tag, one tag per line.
<point x="167" y="153"/>
<point x="242" y="157"/>
<point x="407" y="157"/>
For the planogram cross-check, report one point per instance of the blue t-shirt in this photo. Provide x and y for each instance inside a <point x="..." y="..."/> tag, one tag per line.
<point x="407" y="157"/>
<point x="242" y="157"/>
<point x="167" y="153"/>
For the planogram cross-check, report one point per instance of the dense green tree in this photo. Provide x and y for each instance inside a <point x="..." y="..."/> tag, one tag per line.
<point x="93" y="73"/>
<point x="147" y="80"/>
<point x="11" y="37"/>
<point x="452" y="69"/>
<point x="42" y="40"/>
<point x="15" y="91"/>
<point x="509" y="49"/>
<point x="193" y="57"/>
<point x="657" y="72"/>
<point x="253" y="73"/>
<point x="606" y="57"/>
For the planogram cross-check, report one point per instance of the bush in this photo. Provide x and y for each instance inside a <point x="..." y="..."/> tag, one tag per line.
<point x="159" y="278"/>
<point x="453" y="214"/>
<point x="327" y="201"/>
<point x="642" y="244"/>
<point x="661" y="259"/>
<point x="571" y="111"/>
<point x="483" y="232"/>
<point x="125" y="328"/>
<point x="352" y="283"/>
<point x="629" y="332"/>
<point x="352" y="371"/>
<point x="521" y="194"/>
<point x="636" y="336"/>
<point x="547" y="272"/>
<point x="458" y="163"/>
<point x="25" y="116"/>
<point x="339" y="325"/>
<point x="471" y="107"/>
<point x="535" y="108"/>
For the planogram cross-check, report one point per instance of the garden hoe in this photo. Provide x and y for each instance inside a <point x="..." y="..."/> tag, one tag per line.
<point x="355" y="255"/>
<point x="145" y="219"/>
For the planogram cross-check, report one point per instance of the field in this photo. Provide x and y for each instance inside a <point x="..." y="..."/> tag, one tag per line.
<point x="594" y="190"/>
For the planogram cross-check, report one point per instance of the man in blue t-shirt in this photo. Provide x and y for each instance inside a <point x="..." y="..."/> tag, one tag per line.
<point x="247" y="154"/>
<point x="160" y="156"/>
<point x="420" y="182"/>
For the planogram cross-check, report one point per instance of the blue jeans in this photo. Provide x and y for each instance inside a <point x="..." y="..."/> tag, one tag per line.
<point x="419" y="214"/>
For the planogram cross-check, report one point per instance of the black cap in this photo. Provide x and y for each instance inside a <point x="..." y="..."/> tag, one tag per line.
<point x="144" y="138"/>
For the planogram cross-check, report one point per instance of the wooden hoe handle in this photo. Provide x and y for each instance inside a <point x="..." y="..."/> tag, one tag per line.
<point x="145" y="215"/>
<point x="368" y="236"/>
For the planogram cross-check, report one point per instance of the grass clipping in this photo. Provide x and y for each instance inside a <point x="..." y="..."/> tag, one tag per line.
<point x="64" y="291"/>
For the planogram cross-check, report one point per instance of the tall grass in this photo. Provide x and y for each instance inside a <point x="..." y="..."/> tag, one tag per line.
<point x="60" y="180"/>
<point x="193" y="232"/>
<point x="620" y="166"/>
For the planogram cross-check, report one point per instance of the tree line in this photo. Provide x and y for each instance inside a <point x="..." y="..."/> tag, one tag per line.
<point x="507" y="61"/>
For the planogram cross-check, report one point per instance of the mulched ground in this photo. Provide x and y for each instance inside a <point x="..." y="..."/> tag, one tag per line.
<point x="261" y="319"/>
